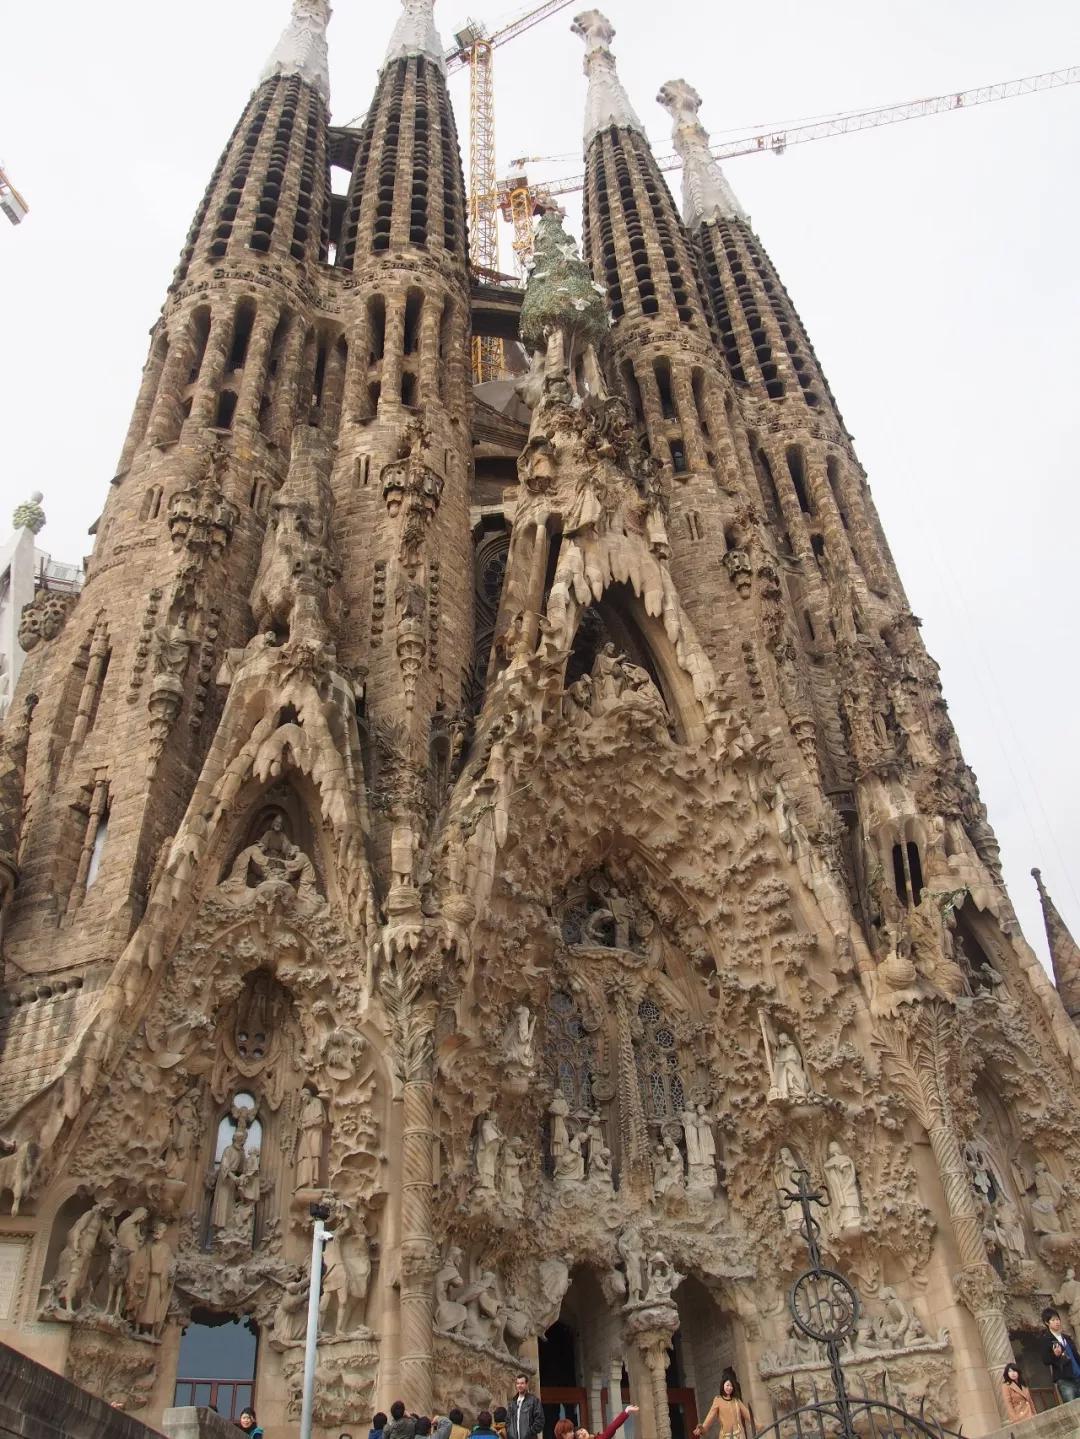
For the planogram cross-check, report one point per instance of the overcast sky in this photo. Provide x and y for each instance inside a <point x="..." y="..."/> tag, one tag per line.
<point x="934" y="264"/>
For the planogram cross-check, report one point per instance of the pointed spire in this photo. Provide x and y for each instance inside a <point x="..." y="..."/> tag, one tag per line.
<point x="607" y="103"/>
<point x="415" y="34"/>
<point x="1064" y="952"/>
<point x="302" y="47"/>
<point x="706" y="192"/>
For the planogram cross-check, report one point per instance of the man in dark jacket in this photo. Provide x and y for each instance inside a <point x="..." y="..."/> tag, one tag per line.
<point x="524" y="1412"/>
<point x="1061" y="1356"/>
<point x="400" y="1426"/>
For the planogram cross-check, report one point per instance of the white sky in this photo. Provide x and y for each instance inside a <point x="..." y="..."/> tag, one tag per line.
<point x="934" y="264"/>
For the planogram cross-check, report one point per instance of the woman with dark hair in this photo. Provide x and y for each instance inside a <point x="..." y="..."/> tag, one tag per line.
<point x="565" y="1428"/>
<point x="249" y="1424"/>
<point x="1017" y="1396"/>
<point x="730" y="1411"/>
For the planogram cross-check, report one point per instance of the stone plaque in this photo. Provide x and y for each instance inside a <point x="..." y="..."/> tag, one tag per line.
<point x="12" y="1258"/>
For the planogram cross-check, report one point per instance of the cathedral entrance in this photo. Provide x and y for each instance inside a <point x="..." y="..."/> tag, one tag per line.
<point x="216" y="1368"/>
<point x="585" y="1370"/>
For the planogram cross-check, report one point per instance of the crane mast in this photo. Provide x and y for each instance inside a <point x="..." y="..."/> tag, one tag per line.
<point x="11" y="202"/>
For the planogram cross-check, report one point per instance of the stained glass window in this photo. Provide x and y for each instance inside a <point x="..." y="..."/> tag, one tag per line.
<point x="571" y="1052"/>
<point x="663" y="1093"/>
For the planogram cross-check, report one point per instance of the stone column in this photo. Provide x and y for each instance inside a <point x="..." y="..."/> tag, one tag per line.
<point x="256" y="363"/>
<point x="651" y="1331"/>
<point x="419" y="1255"/>
<point x="208" y="384"/>
<point x="921" y="1049"/>
<point x="614" y="1388"/>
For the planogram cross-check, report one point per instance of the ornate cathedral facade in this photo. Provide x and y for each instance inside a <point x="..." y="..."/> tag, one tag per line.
<point x="523" y="818"/>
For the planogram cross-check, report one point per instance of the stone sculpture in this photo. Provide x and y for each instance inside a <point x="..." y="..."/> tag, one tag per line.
<point x="700" y="1150"/>
<point x="153" y="1270"/>
<point x="489" y="1144"/>
<point x="845" y="1206"/>
<point x="518" y="1040"/>
<point x="668" y="1171"/>
<point x="790" y="1079"/>
<point x="1045" y="1207"/>
<point x="73" y="1270"/>
<point x="570" y="1165"/>
<point x="559" y="1112"/>
<point x="513" y="1191"/>
<point x="309" y="1151"/>
<point x="785" y="1177"/>
<point x="290" y="1314"/>
<point x="273" y="866"/>
<point x="632" y="1253"/>
<point x="130" y="1237"/>
<point x="347" y="1266"/>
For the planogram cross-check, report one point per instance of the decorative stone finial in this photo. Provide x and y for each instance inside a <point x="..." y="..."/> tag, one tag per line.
<point x="560" y="292"/>
<point x="607" y="102"/>
<point x="1064" y="952"/>
<point x="415" y="34"/>
<point x="302" y="48"/>
<point x="29" y="515"/>
<point x="706" y="192"/>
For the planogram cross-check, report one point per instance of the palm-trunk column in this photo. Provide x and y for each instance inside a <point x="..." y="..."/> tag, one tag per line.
<point x="921" y="1056"/>
<point x="419" y="1252"/>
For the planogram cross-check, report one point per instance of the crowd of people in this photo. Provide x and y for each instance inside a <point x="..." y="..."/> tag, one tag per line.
<point x="521" y="1417"/>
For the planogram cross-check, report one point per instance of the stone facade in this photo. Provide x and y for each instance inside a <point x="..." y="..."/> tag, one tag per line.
<point x="526" y="821"/>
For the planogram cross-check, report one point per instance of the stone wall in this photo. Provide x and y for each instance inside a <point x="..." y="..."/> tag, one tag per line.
<point x="1061" y="1422"/>
<point x="35" y="1403"/>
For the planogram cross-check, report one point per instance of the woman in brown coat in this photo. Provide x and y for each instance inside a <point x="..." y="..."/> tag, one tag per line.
<point x="734" y="1417"/>
<point x="1018" y="1401"/>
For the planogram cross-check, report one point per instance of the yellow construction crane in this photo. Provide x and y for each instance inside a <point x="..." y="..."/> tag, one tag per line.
<point x="775" y="142"/>
<point x="11" y="202"/>
<point x="473" y="46"/>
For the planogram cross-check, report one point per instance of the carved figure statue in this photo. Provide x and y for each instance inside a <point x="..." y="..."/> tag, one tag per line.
<point x="790" y="1080"/>
<point x="1069" y="1297"/>
<point x="600" y="1166"/>
<point x="482" y="1301"/>
<point x="632" y="1253"/>
<point x="154" y="1265"/>
<point x="570" y="1165"/>
<point x="664" y="1279"/>
<point x="77" y="1257"/>
<point x="1049" y="1195"/>
<point x="594" y="1138"/>
<point x="229" y="1171"/>
<point x="1008" y="1228"/>
<point x="700" y="1149"/>
<point x="488" y="1148"/>
<point x="611" y="923"/>
<point x="785" y="1172"/>
<point x="123" y="1297"/>
<point x="184" y="1139"/>
<point x="273" y="857"/>
<point x="290" y="1314"/>
<point x="668" y="1174"/>
<point x="845" y="1208"/>
<point x="518" y="1040"/>
<point x="559" y="1112"/>
<point x="348" y="1274"/>
<point x="450" y="1313"/>
<point x="309" y="1150"/>
<point x="898" y="1324"/>
<point x="513" y="1191"/>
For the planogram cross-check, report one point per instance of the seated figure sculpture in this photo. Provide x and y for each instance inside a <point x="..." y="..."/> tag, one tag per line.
<point x="268" y="868"/>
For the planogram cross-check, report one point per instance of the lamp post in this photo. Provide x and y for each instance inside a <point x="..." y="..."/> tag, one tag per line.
<point x="320" y="1237"/>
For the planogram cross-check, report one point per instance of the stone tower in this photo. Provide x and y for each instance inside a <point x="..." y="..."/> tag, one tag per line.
<point x="522" y="819"/>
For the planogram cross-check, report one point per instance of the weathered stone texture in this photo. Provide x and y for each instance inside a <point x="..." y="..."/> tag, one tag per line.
<point x="525" y="819"/>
